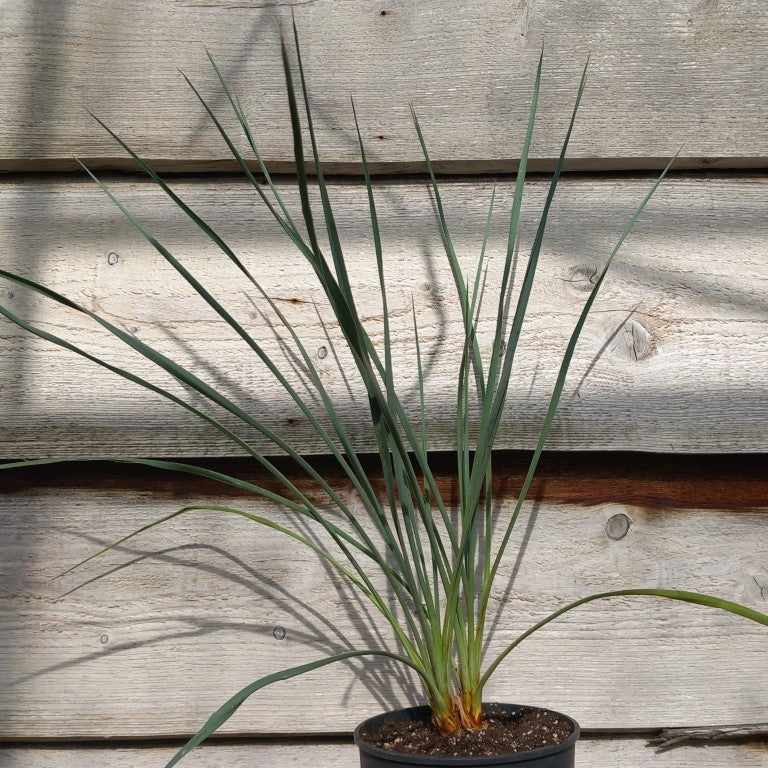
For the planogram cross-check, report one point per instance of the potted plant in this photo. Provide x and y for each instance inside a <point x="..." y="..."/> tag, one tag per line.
<point x="438" y="569"/>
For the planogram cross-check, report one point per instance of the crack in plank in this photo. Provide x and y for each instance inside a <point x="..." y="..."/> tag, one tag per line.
<point x="671" y="737"/>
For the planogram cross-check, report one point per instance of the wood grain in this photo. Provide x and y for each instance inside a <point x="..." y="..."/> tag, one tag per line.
<point x="595" y="753"/>
<point x="688" y="73"/>
<point x="673" y="358"/>
<point x="149" y="639"/>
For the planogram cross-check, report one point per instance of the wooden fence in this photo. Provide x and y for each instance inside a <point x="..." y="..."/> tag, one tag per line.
<point x="657" y="475"/>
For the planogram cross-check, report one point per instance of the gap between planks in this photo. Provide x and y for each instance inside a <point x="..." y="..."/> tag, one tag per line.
<point x="652" y="481"/>
<point x="594" y="751"/>
<point x="393" y="169"/>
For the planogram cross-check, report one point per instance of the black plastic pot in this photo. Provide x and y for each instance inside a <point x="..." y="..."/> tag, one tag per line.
<point x="556" y="756"/>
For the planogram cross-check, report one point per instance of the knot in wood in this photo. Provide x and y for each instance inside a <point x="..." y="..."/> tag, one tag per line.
<point x="582" y="278"/>
<point x="632" y="342"/>
<point x="617" y="526"/>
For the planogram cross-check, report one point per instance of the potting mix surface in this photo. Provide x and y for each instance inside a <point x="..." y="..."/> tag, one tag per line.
<point x="504" y="732"/>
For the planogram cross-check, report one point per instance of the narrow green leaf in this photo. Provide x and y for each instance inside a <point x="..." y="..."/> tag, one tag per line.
<point x="670" y="594"/>
<point x="298" y="152"/>
<point x="356" y="474"/>
<point x="245" y="125"/>
<point x="560" y="383"/>
<point x="491" y="415"/>
<point x="183" y="375"/>
<point x="367" y="589"/>
<point x="514" y="224"/>
<point x="173" y="466"/>
<point x="223" y="713"/>
<point x="232" y="511"/>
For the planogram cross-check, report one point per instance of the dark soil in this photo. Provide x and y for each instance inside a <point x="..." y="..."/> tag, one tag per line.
<point x="504" y="732"/>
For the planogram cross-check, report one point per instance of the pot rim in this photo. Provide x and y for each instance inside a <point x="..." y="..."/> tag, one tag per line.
<point x="412" y="713"/>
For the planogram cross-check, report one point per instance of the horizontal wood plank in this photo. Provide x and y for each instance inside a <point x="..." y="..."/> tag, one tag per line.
<point x="149" y="639"/>
<point x="594" y="753"/>
<point x="673" y="358"/>
<point x="686" y="73"/>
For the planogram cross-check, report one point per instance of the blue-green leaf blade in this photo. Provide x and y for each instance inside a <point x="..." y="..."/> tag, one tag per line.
<point x="226" y="710"/>
<point x="696" y="598"/>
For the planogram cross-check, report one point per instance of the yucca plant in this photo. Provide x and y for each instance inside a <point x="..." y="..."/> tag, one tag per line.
<point x="438" y="569"/>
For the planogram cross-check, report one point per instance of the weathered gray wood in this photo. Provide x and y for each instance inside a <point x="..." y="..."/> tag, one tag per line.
<point x="590" y="753"/>
<point x="685" y="73"/>
<point x="148" y="640"/>
<point x="673" y="359"/>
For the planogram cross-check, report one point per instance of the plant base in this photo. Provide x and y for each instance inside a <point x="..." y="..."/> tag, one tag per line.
<point x="558" y="755"/>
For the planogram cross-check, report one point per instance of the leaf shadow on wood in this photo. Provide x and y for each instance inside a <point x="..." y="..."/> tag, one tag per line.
<point x="574" y="392"/>
<point x="498" y="615"/>
<point x="263" y="28"/>
<point x="388" y="685"/>
<point x="223" y="382"/>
